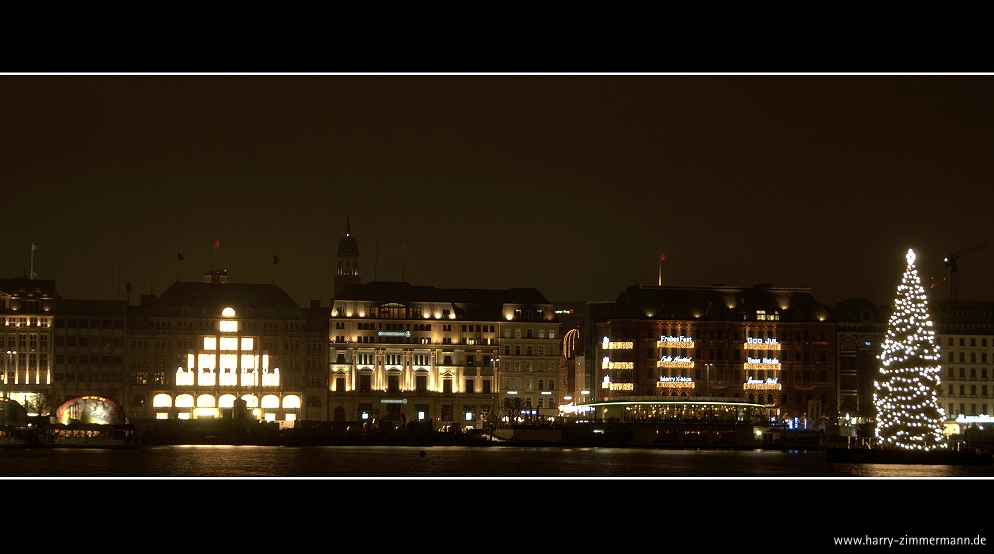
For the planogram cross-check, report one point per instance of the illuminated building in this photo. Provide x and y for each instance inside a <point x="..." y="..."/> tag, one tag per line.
<point x="26" y="313"/>
<point x="773" y="347"/>
<point x="198" y="348"/>
<point x="965" y="340"/>
<point x="402" y="353"/>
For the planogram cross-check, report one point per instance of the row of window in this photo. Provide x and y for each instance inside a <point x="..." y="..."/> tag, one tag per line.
<point x="951" y="374"/>
<point x="24" y="340"/>
<point x="95" y="377"/>
<point x="93" y="359"/>
<point x="973" y="390"/>
<point x="89" y="323"/>
<point x="951" y="357"/>
<point x="713" y="334"/>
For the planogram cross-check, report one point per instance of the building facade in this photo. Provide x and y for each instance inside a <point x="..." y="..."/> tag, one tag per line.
<point x="27" y="313"/>
<point x="861" y="327"/>
<point x="453" y="357"/>
<point x="199" y="348"/>
<point x="89" y="347"/>
<point x="965" y="337"/>
<point x="774" y="347"/>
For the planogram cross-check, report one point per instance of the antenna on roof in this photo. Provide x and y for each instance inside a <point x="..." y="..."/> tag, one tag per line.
<point x="33" y="248"/>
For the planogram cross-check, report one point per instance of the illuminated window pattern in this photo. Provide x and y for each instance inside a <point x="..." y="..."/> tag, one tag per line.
<point x="906" y="392"/>
<point x="607" y="344"/>
<point x="608" y="364"/>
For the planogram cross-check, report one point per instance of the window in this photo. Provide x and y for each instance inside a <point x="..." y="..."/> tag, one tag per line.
<point x="470" y="386"/>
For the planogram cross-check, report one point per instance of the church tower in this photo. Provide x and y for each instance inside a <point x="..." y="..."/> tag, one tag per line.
<point x="348" y="260"/>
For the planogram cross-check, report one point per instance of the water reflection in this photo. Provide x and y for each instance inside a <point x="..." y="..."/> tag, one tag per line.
<point x="441" y="462"/>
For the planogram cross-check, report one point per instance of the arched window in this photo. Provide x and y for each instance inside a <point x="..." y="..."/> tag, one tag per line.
<point x="529" y="351"/>
<point x="291" y="401"/>
<point x="517" y="350"/>
<point x="541" y="384"/>
<point x="507" y="350"/>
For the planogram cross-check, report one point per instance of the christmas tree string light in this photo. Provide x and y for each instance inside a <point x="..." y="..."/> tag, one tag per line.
<point x="907" y="385"/>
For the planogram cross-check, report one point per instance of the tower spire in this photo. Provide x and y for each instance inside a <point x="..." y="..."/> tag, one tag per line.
<point x="348" y="259"/>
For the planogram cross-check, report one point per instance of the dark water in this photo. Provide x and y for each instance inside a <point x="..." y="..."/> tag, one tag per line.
<point x="443" y="462"/>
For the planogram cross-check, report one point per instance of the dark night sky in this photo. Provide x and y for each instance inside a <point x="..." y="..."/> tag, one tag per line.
<point x="568" y="183"/>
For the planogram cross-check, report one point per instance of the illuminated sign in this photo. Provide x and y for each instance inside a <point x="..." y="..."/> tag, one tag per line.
<point x="393" y="401"/>
<point x="666" y="382"/>
<point x="762" y="363"/>
<point x="974" y="419"/>
<point x="569" y="311"/>
<point x="675" y="342"/>
<point x="767" y="344"/>
<point x="394" y="333"/>
<point x="675" y="361"/>
<point x="757" y="384"/>
<point x="608" y="345"/>
<point x="617" y="386"/>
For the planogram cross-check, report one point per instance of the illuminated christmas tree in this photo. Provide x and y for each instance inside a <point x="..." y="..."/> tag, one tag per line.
<point x="907" y="387"/>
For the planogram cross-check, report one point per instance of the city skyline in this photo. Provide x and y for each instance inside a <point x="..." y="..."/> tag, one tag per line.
<point x="571" y="184"/>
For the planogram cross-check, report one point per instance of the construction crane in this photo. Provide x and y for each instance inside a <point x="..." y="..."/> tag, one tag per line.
<point x="953" y="272"/>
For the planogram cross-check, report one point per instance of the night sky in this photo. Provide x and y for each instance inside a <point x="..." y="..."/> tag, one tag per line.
<point x="571" y="184"/>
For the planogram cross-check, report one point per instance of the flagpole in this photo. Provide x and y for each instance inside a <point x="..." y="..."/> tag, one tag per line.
<point x="33" y="248"/>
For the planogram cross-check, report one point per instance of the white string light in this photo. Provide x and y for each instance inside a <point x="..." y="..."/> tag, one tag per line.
<point x="906" y="392"/>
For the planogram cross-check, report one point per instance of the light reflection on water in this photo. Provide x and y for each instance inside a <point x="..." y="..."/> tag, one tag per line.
<point x="479" y="462"/>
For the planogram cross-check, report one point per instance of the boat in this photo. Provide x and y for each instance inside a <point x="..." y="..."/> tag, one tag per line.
<point x="89" y="435"/>
<point x="842" y="455"/>
<point x="18" y="437"/>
